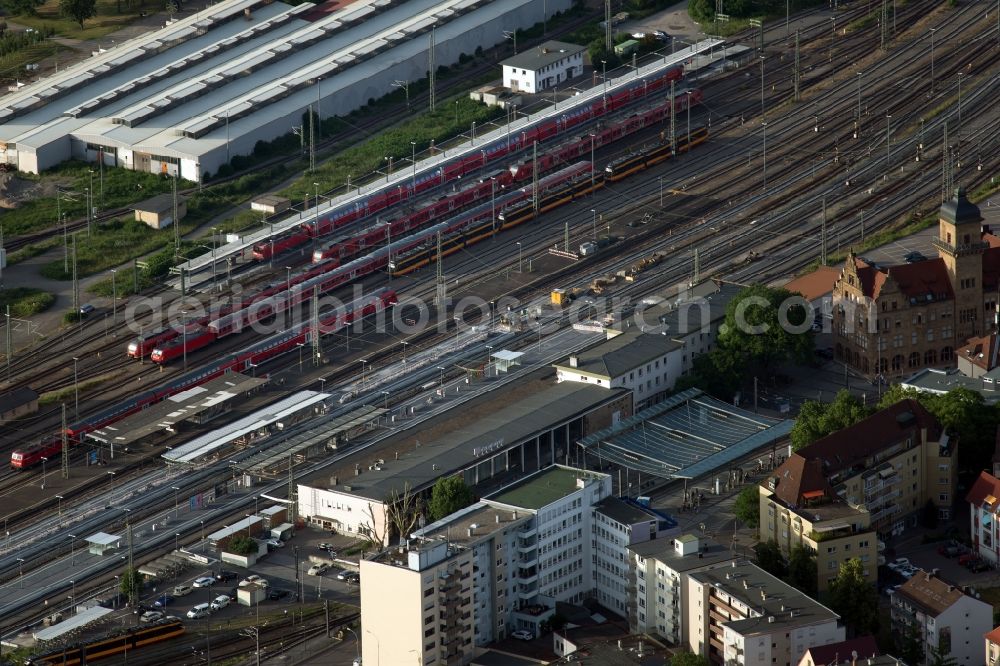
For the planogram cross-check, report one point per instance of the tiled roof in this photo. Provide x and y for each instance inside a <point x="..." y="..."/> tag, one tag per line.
<point x="981" y="351"/>
<point x="994" y="636"/>
<point x="985" y="486"/>
<point x="814" y="284"/>
<point x="836" y="653"/>
<point x="930" y="593"/>
<point x="916" y="281"/>
<point x="798" y="475"/>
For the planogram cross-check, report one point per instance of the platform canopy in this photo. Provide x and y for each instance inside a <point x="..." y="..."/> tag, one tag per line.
<point x="78" y="621"/>
<point x="506" y="359"/>
<point x="685" y="436"/>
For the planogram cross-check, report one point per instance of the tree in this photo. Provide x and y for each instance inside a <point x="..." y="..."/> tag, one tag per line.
<point x="939" y="657"/>
<point x="747" y="506"/>
<point x="766" y="326"/>
<point x="78" y="10"/>
<point x="770" y="559"/>
<point x="374" y="530"/>
<point x="448" y="496"/>
<point x="241" y="544"/>
<point x="854" y="598"/>
<point x="688" y="659"/>
<point x="802" y="570"/>
<point x="403" y="511"/>
<point x="130" y="584"/>
<point x="717" y="373"/>
<point x="911" y="648"/>
<point x="817" y="420"/>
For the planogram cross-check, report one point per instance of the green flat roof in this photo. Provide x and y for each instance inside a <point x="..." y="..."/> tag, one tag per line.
<point x="539" y="489"/>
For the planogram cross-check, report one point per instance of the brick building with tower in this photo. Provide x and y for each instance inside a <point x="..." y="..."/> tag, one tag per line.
<point x="894" y="320"/>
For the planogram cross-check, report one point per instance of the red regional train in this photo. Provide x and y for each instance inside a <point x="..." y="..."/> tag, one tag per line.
<point x="259" y="352"/>
<point x="331" y="220"/>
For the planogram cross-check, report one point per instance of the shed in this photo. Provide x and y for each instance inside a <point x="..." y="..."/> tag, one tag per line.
<point x="158" y="212"/>
<point x="251" y="595"/>
<point x="102" y="542"/>
<point x="627" y="48"/>
<point x="270" y="204"/>
<point x="274" y="515"/>
<point x="506" y="359"/>
<point x="17" y="403"/>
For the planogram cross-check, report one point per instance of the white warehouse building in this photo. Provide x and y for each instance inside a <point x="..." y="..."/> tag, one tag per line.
<point x="186" y="98"/>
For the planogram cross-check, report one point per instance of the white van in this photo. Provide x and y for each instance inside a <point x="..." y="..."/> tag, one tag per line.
<point x="199" y="611"/>
<point x="220" y="602"/>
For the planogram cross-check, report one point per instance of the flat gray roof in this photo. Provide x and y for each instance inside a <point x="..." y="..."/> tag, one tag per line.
<point x="662" y="549"/>
<point x="484" y="426"/>
<point x="932" y="380"/>
<point x="546" y="54"/>
<point x="788" y="606"/>
<point x="176" y="409"/>
<point x="685" y="436"/>
<point x="621" y="354"/>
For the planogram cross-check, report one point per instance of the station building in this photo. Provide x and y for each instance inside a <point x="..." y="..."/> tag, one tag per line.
<point x="494" y="439"/>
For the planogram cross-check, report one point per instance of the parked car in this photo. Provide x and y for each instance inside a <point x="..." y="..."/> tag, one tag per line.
<point x="199" y="611"/>
<point x="204" y="581"/>
<point x="220" y="602"/>
<point x="343" y="574"/>
<point x="253" y="578"/>
<point x="318" y="569"/>
<point x="902" y="562"/>
<point x="965" y="559"/>
<point x="353" y="578"/>
<point x="86" y="309"/>
<point x="523" y="635"/>
<point x="182" y="590"/>
<point x="163" y="600"/>
<point x="914" y="257"/>
<point x="151" y="616"/>
<point x="226" y="576"/>
<point x="275" y="595"/>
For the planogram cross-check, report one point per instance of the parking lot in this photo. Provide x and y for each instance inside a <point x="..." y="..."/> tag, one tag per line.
<point x="277" y="568"/>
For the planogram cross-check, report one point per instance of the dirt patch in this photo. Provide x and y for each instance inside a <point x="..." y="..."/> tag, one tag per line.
<point x="14" y="190"/>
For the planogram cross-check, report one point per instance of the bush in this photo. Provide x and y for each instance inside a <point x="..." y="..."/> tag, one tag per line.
<point x="24" y="301"/>
<point x="241" y="544"/>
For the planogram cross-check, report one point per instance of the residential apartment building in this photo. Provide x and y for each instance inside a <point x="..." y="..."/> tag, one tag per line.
<point x="528" y="547"/>
<point x="860" y="651"/>
<point x="741" y="615"/>
<point x="417" y="606"/>
<point x="492" y="535"/>
<point x="894" y="320"/>
<point x="944" y="618"/>
<point x="617" y="524"/>
<point x="984" y="516"/>
<point x="659" y="575"/>
<point x="837" y="495"/>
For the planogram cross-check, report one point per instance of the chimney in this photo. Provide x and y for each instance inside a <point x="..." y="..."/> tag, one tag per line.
<point x="397" y="455"/>
<point x="746" y="585"/>
<point x="336" y="480"/>
<point x="515" y="516"/>
<point x="357" y="469"/>
<point x="470" y="530"/>
<point x="574" y="361"/>
<point x="763" y="596"/>
<point x="498" y="518"/>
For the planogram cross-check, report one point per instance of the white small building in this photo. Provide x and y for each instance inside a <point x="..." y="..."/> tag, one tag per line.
<point x="544" y="67"/>
<point x="944" y="618"/>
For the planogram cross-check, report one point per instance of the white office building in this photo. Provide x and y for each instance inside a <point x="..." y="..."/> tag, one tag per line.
<point x="544" y="67"/>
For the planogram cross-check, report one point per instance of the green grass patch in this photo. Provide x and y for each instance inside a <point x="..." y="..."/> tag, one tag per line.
<point x="25" y="301"/>
<point x="111" y="16"/>
<point x="451" y="117"/>
<point x="122" y="187"/>
<point x="862" y="23"/>
<point x="111" y="244"/>
<point x="33" y="250"/>
<point x="66" y="394"/>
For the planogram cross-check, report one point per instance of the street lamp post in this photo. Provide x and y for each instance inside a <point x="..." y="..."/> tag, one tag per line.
<point x="661" y="191"/>
<point x="593" y="222"/>
<point x="111" y="492"/>
<point x="20" y="571"/>
<point x="519" y="257"/>
<point x="60" y="498"/>
<point x="316" y="191"/>
<point x="888" y="146"/>
<point x="592" y="162"/>
<point x="76" y="388"/>
<point x="357" y="643"/>
<point x="441" y="378"/>
<point x="72" y="550"/>
<point x="44" y="460"/>
<point x="177" y="536"/>
<point x="493" y="215"/>
<point x="175" y="489"/>
<point x="114" y="297"/>
<point x="184" y="330"/>
<point x="386" y="394"/>
<point x="933" y="30"/>
<point x="413" y="161"/>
